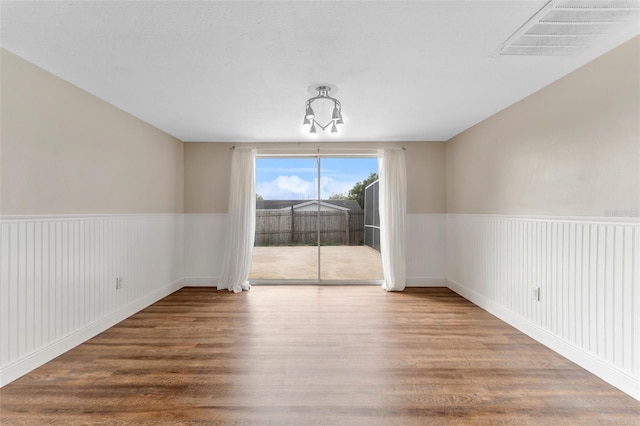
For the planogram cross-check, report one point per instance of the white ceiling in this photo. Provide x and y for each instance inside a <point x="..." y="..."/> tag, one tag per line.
<point x="239" y="71"/>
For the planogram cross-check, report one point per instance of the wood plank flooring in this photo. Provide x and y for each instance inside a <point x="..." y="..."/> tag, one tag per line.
<point x="324" y="355"/>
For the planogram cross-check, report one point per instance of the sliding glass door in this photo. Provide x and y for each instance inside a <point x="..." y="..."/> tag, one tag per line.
<point x="343" y="254"/>
<point x="310" y="220"/>
<point x="286" y="243"/>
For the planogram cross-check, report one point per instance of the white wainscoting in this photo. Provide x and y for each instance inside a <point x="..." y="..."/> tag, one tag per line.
<point x="588" y="271"/>
<point x="425" y="250"/>
<point x="204" y="237"/>
<point x="58" y="273"/>
<point x="58" y="279"/>
<point x="204" y="249"/>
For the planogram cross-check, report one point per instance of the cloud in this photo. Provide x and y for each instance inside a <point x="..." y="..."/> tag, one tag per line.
<point x="295" y="188"/>
<point x="329" y="186"/>
<point x="286" y="188"/>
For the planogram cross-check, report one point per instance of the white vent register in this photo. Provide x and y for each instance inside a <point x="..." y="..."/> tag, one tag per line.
<point x="567" y="27"/>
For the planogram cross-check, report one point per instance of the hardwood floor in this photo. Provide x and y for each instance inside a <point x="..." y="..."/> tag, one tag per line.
<point x="313" y="355"/>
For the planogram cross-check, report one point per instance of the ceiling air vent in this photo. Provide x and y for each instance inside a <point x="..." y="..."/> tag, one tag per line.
<point x="567" y="27"/>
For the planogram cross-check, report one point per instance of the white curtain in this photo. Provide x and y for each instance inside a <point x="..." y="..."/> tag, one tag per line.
<point x="241" y="222"/>
<point x="393" y="208"/>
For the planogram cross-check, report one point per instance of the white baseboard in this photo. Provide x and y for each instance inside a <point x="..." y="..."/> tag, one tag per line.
<point x="201" y="282"/>
<point x="608" y="373"/>
<point x="19" y="368"/>
<point x="426" y="282"/>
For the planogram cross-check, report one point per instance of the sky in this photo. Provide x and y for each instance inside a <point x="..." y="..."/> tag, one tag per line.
<point x="297" y="179"/>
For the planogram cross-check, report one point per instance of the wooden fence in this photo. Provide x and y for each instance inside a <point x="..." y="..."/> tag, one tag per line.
<point x="284" y="227"/>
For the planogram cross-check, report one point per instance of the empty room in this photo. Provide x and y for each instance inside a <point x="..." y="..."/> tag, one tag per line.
<point x="320" y="212"/>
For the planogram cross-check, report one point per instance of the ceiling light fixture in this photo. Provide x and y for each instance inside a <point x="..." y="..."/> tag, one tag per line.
<point x="310" y="117"/>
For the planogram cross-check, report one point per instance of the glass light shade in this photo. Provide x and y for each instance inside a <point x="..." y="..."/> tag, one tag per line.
<point x="313" y="128"/>
<point x="334" y="129"/>
<point x="309" y="114"/>
<point x="336" y="113"/>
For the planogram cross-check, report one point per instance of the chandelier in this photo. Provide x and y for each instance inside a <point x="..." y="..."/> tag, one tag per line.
<point x="310" y="117"/>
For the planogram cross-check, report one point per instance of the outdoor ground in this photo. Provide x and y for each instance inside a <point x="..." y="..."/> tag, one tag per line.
<point x="301" y="262"/>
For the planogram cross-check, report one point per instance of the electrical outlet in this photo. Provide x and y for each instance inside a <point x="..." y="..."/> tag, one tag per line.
<point x="118" y="283"/>
<point x="535" y="294"/>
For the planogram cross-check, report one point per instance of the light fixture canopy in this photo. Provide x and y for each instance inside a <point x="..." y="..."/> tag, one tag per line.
<point x="336" y="115"/>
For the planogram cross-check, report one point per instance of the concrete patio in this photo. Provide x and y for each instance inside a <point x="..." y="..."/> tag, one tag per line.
<point x="301" y="262"/>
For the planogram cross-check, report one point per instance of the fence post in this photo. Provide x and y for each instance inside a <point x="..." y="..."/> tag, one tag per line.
<point x="347" y="227"/>
<point x="293" y="228"/>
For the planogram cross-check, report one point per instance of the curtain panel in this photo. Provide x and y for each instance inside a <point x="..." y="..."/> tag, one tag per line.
<point x="393" y="209"/>
<point x="241" y="222"/>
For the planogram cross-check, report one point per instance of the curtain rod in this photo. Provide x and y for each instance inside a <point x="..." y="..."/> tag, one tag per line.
<point x="317" y="148"/>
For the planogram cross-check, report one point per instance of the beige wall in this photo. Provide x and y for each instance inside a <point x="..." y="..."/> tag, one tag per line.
<point x="64" y="151"/>
<point x="425" y="177"/>
<point x="572" y="149"/>
<point x="207" y="170"/>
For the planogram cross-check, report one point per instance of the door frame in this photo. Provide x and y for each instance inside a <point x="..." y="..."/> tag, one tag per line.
<point x="318" y="281"/>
